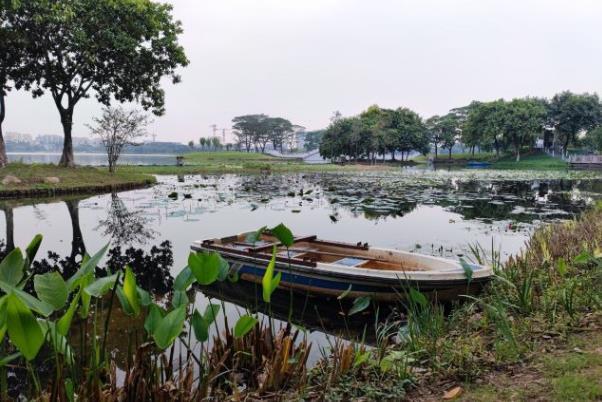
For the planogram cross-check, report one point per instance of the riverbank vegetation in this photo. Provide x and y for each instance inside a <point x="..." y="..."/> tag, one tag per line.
<point x="32" y="180"/>
<point x="540" y="317"/>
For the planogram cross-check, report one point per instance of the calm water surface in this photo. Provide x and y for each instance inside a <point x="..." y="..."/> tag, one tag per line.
<point x="439" y="213"/>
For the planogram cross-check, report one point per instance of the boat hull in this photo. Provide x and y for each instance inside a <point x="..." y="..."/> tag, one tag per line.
<point x="333" y="284"/>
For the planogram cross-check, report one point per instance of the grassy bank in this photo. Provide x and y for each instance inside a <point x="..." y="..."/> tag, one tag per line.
<point x="536" y="161"/>
<point x="243" y="162"/>
<point x="31" y="180"/>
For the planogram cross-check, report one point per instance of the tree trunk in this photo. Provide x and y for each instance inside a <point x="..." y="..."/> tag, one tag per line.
<point x="435" y="151"/>
<point x="10" y="228"/>
<point x="3" y="157"/>
<point x="78" y="247"/>
<point x="518" y="153"/>
<point x="67" y="158"/>
<point x="450" y="151"/>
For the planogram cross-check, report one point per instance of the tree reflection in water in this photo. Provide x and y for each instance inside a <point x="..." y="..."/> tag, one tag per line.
<point x="123" y="226"/>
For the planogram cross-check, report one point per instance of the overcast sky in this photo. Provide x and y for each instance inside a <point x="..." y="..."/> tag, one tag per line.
<point x="304" y="59"/>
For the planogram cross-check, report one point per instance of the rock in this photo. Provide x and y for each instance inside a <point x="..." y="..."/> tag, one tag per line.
<point x="52" y="180"/>
<point x="452" y="393"/>
<point x="10" y="179"/>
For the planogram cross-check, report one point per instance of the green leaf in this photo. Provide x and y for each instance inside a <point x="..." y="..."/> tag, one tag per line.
<point x="101" y="286"/>
<point x="468" y="270"/>
<point x="52" y="289"/>
<point x="211" y="312"/>
<point x="7" y="359"/>
<point x="23" y="329"/>
<point x="69" y="390"/>
<point x="418" y="298"/>
<point x="36" y="305"/>
<point x="130" y="290"/>
<point x="200" y="327"/>
<point x="169" y="327"/>
<point x="87" y="267"/>
<point x="283" y="234"/>
<point x="244" y="324"/>
<point x="254" y="237"/>
<point x="270" y="282"/>
<point x="345" y="293"/>
<point x="57" y="340"/>
<point x="64" y="323"/>
<point x="83" y="282"/>
<point x="184" y="279"/>
<point x="205" y="267"/>
<point x="179" y="298"/>
<point x="11" y="268"/>
<point x="144" y="297"/>
<point x="32" y="249"/>
<point x="359" y="304"/>
<point x="154" y="317"/>
<point x="123" y="300"/>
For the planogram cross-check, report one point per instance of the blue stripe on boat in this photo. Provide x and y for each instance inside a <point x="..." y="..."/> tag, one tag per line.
<point x="316" y="282"/>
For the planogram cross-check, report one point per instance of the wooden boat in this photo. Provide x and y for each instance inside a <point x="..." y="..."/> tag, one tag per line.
<point x="329" y="268"/>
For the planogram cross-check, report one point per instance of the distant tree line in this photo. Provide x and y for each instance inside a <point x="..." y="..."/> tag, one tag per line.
<point x="258" y="130"/>
<point x="499" y="126"/>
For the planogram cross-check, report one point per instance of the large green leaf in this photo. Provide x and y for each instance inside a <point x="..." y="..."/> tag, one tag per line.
<point x="244" y="324"/>
<point x="154" y="317"/>
<point x="52" y="289"/>
<point x="283" y="234"/>
<point x="32" y="250"/>
<point x="84" y="282"/>
<point x="201" y="323"/>
<point x="205" y="267"/>
<point x="64" y="323"/>
<point x="184" y="279"/>
<point x="123" y="300"/>
<point x="254" y="237"/>
<point x="169" y="327"/>
<point x="87" y="267"/>
<point x="179" y="298"/>
<point x="101" y="286"/>
<point x="418" y="298"/>
<point x="130" y="290"/>
<point x="11" y="267"/>
<point x="270" y="282"/>
<point x="36" y="305"/>
<point x="24" y="330"/>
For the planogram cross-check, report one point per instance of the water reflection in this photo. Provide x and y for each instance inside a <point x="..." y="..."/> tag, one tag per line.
<point x="123" y="226"/>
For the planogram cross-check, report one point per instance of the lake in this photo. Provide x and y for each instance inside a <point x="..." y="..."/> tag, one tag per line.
<point x="432" y="212"/>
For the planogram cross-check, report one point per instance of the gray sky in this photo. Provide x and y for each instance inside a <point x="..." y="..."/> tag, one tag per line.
<point x="304" y="59"/>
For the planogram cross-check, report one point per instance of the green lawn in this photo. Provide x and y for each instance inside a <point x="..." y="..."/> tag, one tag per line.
<point x="478" y="156"/>
<point x="36" y="179"/>
<point x="535" y="161"/>
<point x="243" y="162"/>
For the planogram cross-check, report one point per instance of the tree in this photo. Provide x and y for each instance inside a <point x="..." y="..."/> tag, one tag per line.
<point x="593" y="139"/>
<point x="202" y="142"/>
<point x="117" y="49"/>
<point x="313" y="139"/>
<point x="571" y="113"/>
<point x="117" y="128"/>
<point x="248" y="129"/>
<point x="521" y="120"/>
<point x="410" y="130"/>
<point x="216" y="143"/>
<point x="280" y="130"/>
<point x="13" y="51"/>
<point x="191" y="144"/>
